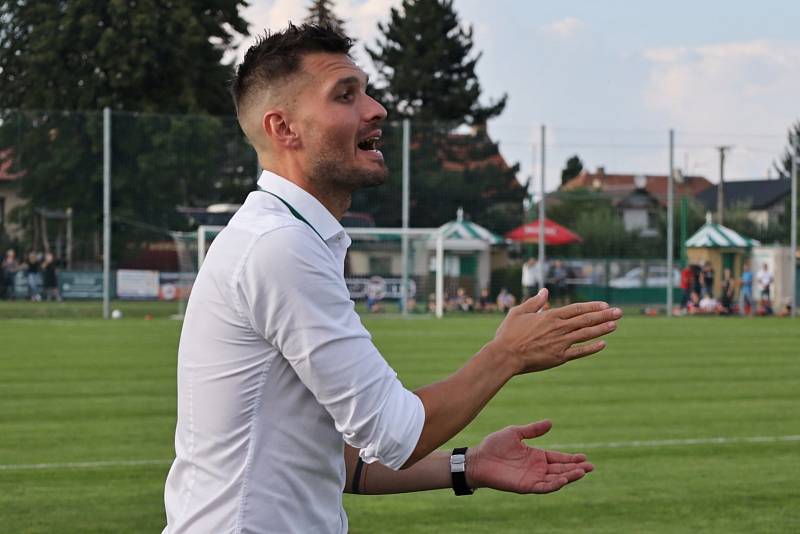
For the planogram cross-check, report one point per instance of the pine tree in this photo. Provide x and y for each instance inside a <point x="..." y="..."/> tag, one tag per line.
<point x="426" y="72"/>
<point x="784" y="168"/>
<point x="571" y="169"/>
<point x="425" y="67"/>
<point x="320" y="12"/>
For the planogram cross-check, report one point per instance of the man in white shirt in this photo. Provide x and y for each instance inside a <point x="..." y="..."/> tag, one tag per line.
<point x="283" y="400"/>
<point x="765" y="281"/>
<point x="531" y="278"/>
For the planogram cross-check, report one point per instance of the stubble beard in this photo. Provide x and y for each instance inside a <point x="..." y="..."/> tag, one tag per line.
<point x="330" y="171"/>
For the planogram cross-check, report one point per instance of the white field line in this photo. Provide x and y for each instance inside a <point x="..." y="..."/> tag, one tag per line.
<point x="673" y="442"/>
<point x="561" y="446"/>
<point x="82" y="465"/>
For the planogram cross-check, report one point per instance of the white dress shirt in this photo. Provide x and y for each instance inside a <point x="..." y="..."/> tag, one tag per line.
<point x="275" y="373"/>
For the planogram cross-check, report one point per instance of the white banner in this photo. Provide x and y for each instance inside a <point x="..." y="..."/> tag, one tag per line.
<point x="137" y="284"/>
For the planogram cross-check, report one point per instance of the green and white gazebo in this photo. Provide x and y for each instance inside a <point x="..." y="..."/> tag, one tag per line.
<point x="466" y="254"/>
<point x="464" y="235"/>
<point x="723" y="247"/>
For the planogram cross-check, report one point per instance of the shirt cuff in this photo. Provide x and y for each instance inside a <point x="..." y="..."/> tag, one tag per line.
<point x="400" y="428"/>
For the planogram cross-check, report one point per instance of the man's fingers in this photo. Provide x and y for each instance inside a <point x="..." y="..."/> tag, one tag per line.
<point x="593" y="318"/>
<point x="549" y="486"/>
<point x="556" y="457"/>
<point x="573" y="310"/>
<point x="592" y="332"/>
<point x="557" y="469"/>
<point x="535" y="303"/>
<point x="555" y="482"/>
<point x="534" y="430"/>
<point x="579" y="351"/>
<point x="572" y="476"/>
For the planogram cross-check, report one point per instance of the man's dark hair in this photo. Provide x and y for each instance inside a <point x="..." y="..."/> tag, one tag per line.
<point x="277" y="55"/>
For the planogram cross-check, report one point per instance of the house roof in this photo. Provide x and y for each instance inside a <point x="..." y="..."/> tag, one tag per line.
<point x="467" y="230"/>
<point x="619" y="186"/>
<point x="759" y="194"/>
<point x="712" y="235"/>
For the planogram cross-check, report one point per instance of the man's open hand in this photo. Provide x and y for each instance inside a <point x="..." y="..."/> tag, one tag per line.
<point x="535" y="340"/>
<point x="503" y="462"/>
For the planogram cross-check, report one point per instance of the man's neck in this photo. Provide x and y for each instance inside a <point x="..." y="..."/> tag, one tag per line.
<point x="335" y="200"/>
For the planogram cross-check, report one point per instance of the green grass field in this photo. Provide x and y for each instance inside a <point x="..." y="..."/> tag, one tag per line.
<point x="87" y="412"/>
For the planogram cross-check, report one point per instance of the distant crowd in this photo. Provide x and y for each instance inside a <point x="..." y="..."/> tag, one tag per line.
<point x="749" y="295"/>
<point x="555" y="281"/>
<point x="40" y="271"/>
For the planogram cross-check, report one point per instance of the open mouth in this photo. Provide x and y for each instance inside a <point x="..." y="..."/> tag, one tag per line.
<point x="370" y="143"/>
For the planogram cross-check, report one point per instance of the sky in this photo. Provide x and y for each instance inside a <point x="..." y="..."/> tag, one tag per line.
<point x="609" y="79"/>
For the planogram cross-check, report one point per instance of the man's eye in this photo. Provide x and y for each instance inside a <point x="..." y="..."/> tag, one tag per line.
<point x="346" y="97"/>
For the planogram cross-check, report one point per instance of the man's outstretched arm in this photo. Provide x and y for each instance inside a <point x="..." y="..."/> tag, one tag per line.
<point x="501" y="461"/>
<point x="526" y="341"/>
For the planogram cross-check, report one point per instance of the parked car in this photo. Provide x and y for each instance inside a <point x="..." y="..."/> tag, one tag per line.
<point x="655" y="276"/>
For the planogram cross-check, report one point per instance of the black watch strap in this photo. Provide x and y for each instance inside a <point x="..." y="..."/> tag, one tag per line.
<point x="458" y="468"/>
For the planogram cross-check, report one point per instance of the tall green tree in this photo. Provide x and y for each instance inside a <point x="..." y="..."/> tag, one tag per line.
<point x="426" y="68"/>
<point x="784" y="166"/>
<point x="426" y="72"/>
<point x="146" y="55"/>
<point x="146" y="60"/>
<point x="320" y="12"/>
<point x="571" y="169"/>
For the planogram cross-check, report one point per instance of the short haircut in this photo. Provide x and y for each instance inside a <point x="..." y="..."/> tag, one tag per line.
<point x="277" y="55"/>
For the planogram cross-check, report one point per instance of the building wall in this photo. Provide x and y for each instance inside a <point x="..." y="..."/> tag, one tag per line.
<point x="780" y="264"/>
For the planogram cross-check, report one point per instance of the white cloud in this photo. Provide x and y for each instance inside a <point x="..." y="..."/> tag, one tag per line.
<point x="566" y="27"/>
<point x="737" y="89"/>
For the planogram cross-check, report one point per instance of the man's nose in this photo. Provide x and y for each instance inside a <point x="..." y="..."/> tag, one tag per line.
<point x="375" y="111"/>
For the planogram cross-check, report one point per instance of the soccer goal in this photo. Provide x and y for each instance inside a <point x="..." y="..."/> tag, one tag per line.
<point x="402" y="265"/>
<point x="205" y="235"/>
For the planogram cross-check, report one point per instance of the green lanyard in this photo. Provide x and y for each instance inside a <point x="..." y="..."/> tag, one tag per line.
<point x="294" y="212"/>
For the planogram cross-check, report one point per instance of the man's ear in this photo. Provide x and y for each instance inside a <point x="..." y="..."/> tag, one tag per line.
<point x="277" y="128"/>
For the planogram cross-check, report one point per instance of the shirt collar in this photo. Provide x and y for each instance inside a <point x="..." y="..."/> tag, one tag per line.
<point x="304" y="202"/>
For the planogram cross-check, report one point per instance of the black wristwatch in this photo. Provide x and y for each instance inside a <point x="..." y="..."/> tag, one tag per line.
<point x="458" y="468"/>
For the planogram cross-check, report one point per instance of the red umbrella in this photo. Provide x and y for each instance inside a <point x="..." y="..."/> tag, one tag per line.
<point x="554" y="233"/>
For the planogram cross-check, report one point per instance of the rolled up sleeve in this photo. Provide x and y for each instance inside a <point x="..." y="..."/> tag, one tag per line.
<point x="293" y="294"/>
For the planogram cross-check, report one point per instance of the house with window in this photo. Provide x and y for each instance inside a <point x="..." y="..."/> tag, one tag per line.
<point x="639" y="198"/>
<point x="765" y="200"/>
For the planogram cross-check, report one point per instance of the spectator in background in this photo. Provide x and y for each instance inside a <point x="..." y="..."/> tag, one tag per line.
<point x="33" y="277"/>
<point x="531" y="278"/>
<point x="764" y="307"/>
<point x="746" y="291"/>
<point x="505" y="300"/>
<point x="726" y="297"/>
<point x="560" y="284"/>
<point x="462" y="301"/>
<point x="687" y="279"/>
<point x="708" y="304"/>
<point x="50" y="278"/>
<point x="765" y="282"/>
<point x="485" y="303"/>
<point x="9" y="272"/>
<point x="693" y="306"/>
<point x="697" y="285"/>
<point x="707" y="280"/>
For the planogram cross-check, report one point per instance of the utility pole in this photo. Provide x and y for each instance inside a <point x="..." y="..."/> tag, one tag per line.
<point x="541" y="264"/>
<point x="793" y="260"/>
<point x="720" y="193"/>
<point x="670" y="222"/>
